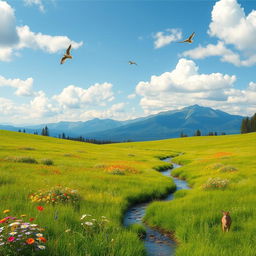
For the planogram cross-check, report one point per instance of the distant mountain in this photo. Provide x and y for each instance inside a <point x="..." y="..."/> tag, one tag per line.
<point x="168" y="124"/>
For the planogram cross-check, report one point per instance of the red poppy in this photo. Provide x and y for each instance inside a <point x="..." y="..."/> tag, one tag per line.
<point x="30" y="241"/>
<point x="40" y="208"/>
<point x="42" y="239"/>
<point x="31" y="219"/>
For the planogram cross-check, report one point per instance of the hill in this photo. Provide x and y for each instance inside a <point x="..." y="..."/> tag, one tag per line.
<point x="92" y="171"/>
<point x="170" y="124"/>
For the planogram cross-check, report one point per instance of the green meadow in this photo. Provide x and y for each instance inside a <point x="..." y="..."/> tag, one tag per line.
<point x="110" y="178"/>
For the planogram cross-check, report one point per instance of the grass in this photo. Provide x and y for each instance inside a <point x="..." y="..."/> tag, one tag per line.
<point x="194" y="215"/>
<point x="80" y="166"/>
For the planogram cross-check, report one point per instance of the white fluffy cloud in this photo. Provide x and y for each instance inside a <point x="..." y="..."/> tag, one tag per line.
<point x="14" y="38"/>
<point x="38" y="3"/>
<point x="185" y="86"/>
<point x="23" y="87"/>
<point x="75" y="97"/>
<point x="8" y="34"/>
<point x="164" y="38"/>
<point x="232" y="27"/>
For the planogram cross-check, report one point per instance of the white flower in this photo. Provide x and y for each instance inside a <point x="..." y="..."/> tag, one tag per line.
<point x="85" y="215"/>
<point x="2" y="243"/>
<point x="39" y="235"/>
<point x="41" y="247"/>
<point x="24" y="226"/>
<point x="14" y="224"/>
<point x="88" y="223"/>
<point x="12" y="233"/>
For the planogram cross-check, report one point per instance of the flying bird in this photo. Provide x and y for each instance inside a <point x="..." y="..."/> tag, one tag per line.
<point x="188" y="40"/>
<point x="132" y="62"/>
<point x="66" y="55"/>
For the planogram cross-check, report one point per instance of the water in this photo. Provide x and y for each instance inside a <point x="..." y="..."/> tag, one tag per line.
<point x="156" y="243"/>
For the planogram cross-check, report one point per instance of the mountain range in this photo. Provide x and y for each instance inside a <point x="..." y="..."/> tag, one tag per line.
<point x="168" y="124"/>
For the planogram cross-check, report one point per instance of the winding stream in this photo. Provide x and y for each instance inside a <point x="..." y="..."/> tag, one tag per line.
<point x="156" y="243"/>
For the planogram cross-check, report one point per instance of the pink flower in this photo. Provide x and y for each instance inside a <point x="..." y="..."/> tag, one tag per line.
<point x="11" y="239"/>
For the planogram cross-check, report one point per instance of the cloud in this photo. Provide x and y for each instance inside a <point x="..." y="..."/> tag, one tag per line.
<point x="131" y="96"/>
<point x="8" y="33"/>
<point x="75" y="97"/>
<point x="230" y="24"/>
<point x="164" y="38"/>
<point x="184" y="86"/>
<point x="35" y="2"/>
<point x="47" y="43"/>
<point x="232" y="28"/>
<point x="23" y="87"/>
<point x="14" y="38"/>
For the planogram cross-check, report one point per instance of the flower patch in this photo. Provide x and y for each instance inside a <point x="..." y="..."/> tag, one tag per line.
<point x="121" y="170"/>
<point x="215" y="183"/>
<point x="56" y="195"/>
<point x="92" y="225"/>
<point x="20" y="237"/>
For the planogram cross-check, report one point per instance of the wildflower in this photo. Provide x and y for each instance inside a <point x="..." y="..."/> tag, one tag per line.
<point x="23" y="215"/>
<point x="14" y="224"/>
<point x="12" y="233"/>
<point x="23" y="226"/>
<point x="6" y="211"/>
<point x="88" y="223"/>
<point x="39" y="235"/>
<point x="41" y="247"/>
<point x="3" y="220"/>
<point x="11" y="239"/>
<point x="42" y="239"/>
<point x="40" y="208"/>
<point x="30" y="241"/>
<point x="31" y="219"/>
<point x="2" y="243"/>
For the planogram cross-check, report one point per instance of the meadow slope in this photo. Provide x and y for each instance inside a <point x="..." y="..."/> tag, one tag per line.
<point x="194" y="215"/>
<point x="90" y="169"/>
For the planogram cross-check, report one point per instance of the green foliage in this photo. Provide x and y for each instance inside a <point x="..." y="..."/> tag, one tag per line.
<point x="215" y="183"/>
<point x="47" y="161"/>
<point x="139" y="229"/>
<point x="164" y="167"/>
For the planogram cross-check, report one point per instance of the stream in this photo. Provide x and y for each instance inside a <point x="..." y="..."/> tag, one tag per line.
<point x="156" y="243"/>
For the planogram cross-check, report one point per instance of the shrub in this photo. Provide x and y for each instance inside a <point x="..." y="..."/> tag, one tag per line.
<point x="228" y="169"/>
<point x="47" y="161"/>
<point x="162" y="168"/>
<point x="215" y="183"/>
<point x="139" y="229"/>
<point x="56" y="195"/>
<point x="29" y="160"/>
<point x="19" y="237"/>
<point x="121" y="170"/>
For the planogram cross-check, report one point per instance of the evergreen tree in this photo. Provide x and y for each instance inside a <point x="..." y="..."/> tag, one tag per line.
<point x="24" y="130"/>
<point x="198" y="133"/>
<point x="19" y="130"/>
<point x="253" y="123"/>
<point x="63" y="136"/>
<point x="43" y="132"/>
<point x="46" y="131"/>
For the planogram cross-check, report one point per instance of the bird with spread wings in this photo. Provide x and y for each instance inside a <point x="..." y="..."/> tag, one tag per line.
<point x="188" y="40"/>
<point x="66" y="55"/>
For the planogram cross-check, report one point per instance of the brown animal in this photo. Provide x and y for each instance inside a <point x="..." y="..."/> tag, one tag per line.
<point x="226" y="221"/>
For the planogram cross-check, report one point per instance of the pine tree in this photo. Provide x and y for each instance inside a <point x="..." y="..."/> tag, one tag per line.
<point x="43" y="132"/>
<point x="46" y="131"/>
<point x="253" y="123"/>
<point x="198" y="133"/>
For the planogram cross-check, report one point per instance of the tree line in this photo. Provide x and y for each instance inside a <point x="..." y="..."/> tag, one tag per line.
<point x="199" y="133"/>
<point x="248" y="124"/>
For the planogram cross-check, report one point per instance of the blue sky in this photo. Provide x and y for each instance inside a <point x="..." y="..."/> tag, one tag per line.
<point x="216" y="70"/>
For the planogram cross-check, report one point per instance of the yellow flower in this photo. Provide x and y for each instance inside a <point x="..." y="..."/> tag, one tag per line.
<point x="6" y="211"/>
<point x="23" y="215"/>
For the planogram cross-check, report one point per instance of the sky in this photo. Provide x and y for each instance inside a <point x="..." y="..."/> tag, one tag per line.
<point x="217" y="70"/>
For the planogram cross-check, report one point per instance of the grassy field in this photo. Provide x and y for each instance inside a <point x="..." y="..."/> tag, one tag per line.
<point x="91" y="170"/>
<point x="111" y="177"/>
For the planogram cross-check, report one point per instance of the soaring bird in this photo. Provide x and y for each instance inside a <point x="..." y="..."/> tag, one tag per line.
<point x="132" y="62"/>
<point x="66" y="55"/>
<point x="188" y="40"/>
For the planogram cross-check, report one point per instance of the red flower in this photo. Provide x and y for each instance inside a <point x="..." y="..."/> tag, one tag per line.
<point x="11" y="239"/>
<point x="31" y="219"/>
<point x="42" y="239"/>
<point x="40" y="208"/>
